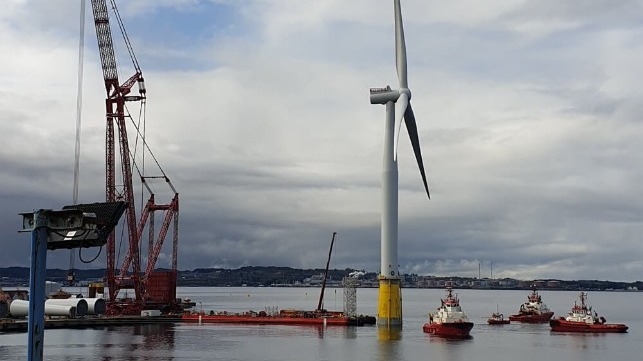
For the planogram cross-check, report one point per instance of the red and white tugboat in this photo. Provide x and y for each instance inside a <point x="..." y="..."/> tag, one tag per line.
<point x="581" y="319"/>
<point x="497" y="318"/>
<point x="533" y="311"/>
<point x="449" y="320"/>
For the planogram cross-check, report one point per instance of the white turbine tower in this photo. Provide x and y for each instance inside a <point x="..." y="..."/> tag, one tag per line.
<point x="389" y="311"/>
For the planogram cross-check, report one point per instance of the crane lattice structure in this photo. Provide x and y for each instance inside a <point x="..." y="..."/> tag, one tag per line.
<point x="130" y="275"/>
<point x="350" y="296"/>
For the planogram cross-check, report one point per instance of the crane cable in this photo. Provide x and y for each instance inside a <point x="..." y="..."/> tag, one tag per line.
<point x="79" y="108"/>
<point x="132" y="153"/>
<point x="79" y="98"/>
<point x="140" y="133"/>
<point x="144" y="142"/>
<point x="130" y="50"/>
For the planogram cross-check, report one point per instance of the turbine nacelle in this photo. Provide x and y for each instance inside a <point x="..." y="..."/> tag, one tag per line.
<point x="385" y="95"/>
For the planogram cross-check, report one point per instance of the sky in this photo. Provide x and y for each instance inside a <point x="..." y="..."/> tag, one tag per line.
<point x="528" y="113"/>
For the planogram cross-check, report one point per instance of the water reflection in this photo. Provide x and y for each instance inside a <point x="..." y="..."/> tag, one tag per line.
<point x="388" y="343"/>
<point x="449" y="340"/>
<point x="156" y="336"/>
<point x="138" y="342"/>
<point x="389" y="333"/>
<point x="449" y="348"/>
<point x="583" y="341"/>
<point x="349" y="332"/>
<point x="332" y="331"/>
<point x="282" y="331"/>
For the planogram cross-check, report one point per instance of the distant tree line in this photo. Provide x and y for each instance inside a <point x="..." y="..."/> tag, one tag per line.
<point x="249" y="276"/>
<point x="255" y="276"/>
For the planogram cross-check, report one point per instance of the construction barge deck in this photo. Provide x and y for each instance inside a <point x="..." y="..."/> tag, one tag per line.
<point x="10" y="325"/>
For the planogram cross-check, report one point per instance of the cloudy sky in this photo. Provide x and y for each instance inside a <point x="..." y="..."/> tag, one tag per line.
<point x="529" y="116"/>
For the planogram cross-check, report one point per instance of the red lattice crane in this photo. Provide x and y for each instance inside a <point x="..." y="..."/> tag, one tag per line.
<point x="152" y="289"/>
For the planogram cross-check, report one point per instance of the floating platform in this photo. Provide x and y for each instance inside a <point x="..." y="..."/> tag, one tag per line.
<point x="11" y="325"/>
<point x="285" y="317"/>
<point x="20" y="325"/>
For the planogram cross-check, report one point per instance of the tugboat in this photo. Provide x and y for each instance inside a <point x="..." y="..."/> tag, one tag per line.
<point x="497" y="318"/>
<point x="533" y="311"/>
<point x="449" y="320"/>
<point x="581" y="319"/>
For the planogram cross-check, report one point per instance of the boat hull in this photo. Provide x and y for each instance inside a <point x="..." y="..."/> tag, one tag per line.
<point x="497" y="322"/>
<point x="562" y="325"/>
<point x="451" y="329"/>
<point x="267" y="320"/>
<point x="532" y="318"/>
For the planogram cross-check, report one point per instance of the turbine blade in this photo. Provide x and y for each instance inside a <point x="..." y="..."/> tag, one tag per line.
<point x="400" y="109"/>
<point x="411" y="127"/>
<point x="400" y="47"/>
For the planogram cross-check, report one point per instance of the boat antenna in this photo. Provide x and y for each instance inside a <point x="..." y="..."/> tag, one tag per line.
<point x="330" y="252"/>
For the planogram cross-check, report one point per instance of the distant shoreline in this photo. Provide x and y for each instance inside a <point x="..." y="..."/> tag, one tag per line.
<point x="267" y="276"/>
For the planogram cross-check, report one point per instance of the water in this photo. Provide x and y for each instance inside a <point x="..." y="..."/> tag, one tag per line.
<point x="521" y="342"/>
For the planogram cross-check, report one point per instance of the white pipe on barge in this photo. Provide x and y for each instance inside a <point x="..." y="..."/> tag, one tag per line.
<point x="20" y="308"/>
<point x="81" y="304"/>
<point x="96" y="306"/>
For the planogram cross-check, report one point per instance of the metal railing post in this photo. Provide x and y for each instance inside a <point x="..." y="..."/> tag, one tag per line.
<point x="36" y="323"/>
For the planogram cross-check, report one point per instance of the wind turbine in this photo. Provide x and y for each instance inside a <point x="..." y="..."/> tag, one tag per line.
<point x="389" y="311"/>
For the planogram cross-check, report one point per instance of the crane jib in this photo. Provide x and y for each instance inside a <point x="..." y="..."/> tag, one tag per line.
<point x="147" y="285"/>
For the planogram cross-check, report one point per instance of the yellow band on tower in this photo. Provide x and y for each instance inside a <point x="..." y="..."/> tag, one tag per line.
<point x="389" y="311"/>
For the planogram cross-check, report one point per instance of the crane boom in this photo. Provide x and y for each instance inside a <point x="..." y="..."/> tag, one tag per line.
<point x="105" y="46"/>
<point x="321" y="295"/>
<point x="116" y="115"/>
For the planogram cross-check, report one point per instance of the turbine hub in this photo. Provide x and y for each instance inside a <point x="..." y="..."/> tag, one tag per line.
<point x="406" y="91"/>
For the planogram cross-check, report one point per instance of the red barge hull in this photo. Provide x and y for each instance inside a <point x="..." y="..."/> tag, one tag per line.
<point x="267" y="320"/>
<point x="541" y="318"/>
<point x="562" y="325"/>
<point x="453" y="329"/>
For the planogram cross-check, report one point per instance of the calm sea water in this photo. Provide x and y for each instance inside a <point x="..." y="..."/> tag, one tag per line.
<point x="282" y="343"/>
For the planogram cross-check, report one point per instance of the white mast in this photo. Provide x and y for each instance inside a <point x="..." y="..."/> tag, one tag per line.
<point x="390" y="295"/>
